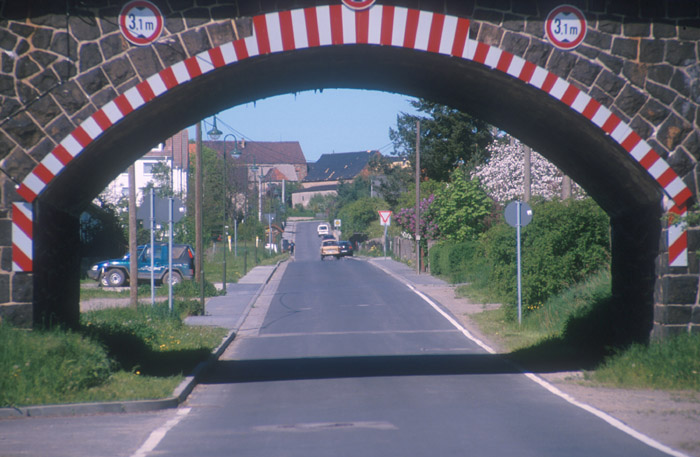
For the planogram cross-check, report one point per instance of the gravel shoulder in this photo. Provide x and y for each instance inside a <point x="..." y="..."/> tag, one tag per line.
<point x="669" y="417"/>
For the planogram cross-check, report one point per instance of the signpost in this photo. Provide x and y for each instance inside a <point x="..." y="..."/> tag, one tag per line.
<point x="141" y="22"/>
<point x="385" y="220"/>
<point x="565" y="27"/>
<point x="518" y="214"/>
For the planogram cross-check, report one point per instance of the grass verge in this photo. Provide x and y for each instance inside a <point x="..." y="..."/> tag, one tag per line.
<point x="118" y="354"/>
<point x="574" y="331"/>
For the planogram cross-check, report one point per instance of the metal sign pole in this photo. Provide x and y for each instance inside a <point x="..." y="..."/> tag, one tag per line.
<point x="520" y="289"/>
<point x="170" y="253"/>
<point x="153" y="248"/>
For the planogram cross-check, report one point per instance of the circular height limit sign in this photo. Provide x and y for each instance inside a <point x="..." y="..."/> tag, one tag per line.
<point x="565" y="27"/>
<point x="141" y="22"/>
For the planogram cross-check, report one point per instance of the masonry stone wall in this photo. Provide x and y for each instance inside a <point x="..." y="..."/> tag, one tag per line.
<point x="61" y="61"/>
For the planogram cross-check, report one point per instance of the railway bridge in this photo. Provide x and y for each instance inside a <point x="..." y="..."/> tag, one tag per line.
<point x="613" y="100"/>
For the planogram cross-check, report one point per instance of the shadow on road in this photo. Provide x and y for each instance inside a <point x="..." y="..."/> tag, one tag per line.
<point x="239" y="371"/>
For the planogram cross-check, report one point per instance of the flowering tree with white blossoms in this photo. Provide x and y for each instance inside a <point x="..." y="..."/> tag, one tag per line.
<point x="502" y="174"/>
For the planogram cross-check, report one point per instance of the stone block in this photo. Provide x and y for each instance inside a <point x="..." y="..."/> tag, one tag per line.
<point x="660" y="73"/>
<point x="6" y="259"/>
<point x="195" y="41"/>
<point x="598" y="40"/>
<point x="25" y="68"/>
<point x="681" y="162"/>
<point x="64" y="44"/>
<point x="679" y="290"/>
<point x="119" y="71"/>
<point x="689" y="29"/>
<point x="93" y="81"/>
<point x="113" y="45"/>
<point x="490" y="34"/>
<point x="44" y="59"/>
<point x="22" y="287"/>
<point x="642" y="127"/>
<point x="174" y="23"/>
<point x="4" y="288"/>
<point x="538" y="53"/>
<point x="561" y="63"/>
<point x="673" y="131"/>
<point x="624" y="47"/>
<point x="44" y="110"/>
<point x="145" y="61"/>
<point x="171" y="53"/>
<point x="196" y="17"/>
<point x="514" y="23"/>
<point x="41" y="38"/>
<point x="22" y="129"/>
<point x="636" y="27"/>
<point x="654" y="111"/>
<point x="83" y="25"/>
<point x="652" y="51"/>
<point x="680" y="53"/>
<point x="630" y="100"/>
<point x="221" y="33"/>
<point x="17" y="315"/>
<point x="515" y="43"/>
<point x="90" y="56"/>
<point x="611" y="62"/>
<point x="70" y="97"/>
<point x="610" y="83"/>
<point x="662" y="94"/>
<point x="662" y="332"/>
<point x="695" y="318"/>
<point x="585" y="72"/>
<point x="673" y="314"/>
<point x="44" y="81"/>
<point x="635" y="72"/>
<point x="685" y="109"/>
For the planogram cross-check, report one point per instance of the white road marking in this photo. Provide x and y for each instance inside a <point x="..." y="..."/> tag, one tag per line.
<point x="595" y="411"/>
<point x="158" y="434"/>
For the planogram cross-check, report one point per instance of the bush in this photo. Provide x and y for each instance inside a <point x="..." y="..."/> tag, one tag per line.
<point x="452" y="260"/>
<point x="37" y="366"/>
<point x="564" y="243"/>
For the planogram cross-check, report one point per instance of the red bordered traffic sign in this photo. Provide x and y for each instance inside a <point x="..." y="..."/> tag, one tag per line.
<point x="358" y="5"/>
<point x="385" y="217"/>
<point x="141" y="22"/>
<point x="565" y="27"/>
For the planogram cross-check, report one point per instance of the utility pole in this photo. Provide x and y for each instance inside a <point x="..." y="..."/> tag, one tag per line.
<point x="418" y="197"/>
<point x="565" y="188"/>
<point x="133" y="251"/>
<point x="527" y="173"/>
<point x="199" y="273"/>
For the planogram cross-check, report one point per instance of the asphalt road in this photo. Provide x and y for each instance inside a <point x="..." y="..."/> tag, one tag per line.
<point x="350" y="362"/>
<point x="340" y="359"/>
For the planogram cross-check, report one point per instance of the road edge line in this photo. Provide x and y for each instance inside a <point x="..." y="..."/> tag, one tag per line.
<point x="612" y="421"/>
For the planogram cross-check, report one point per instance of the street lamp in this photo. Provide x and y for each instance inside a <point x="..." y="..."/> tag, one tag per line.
<point x="215" y="133"/>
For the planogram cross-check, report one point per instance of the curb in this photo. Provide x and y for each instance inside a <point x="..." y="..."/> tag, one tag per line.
<point x="180" y="394"/>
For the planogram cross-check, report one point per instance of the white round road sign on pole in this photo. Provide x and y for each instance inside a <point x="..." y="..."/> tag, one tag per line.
<point x="141" y="22"/>
<point x="565" y="27"/>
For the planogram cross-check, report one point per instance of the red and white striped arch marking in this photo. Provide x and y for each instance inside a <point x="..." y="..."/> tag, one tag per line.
<point x="380" y="25"/>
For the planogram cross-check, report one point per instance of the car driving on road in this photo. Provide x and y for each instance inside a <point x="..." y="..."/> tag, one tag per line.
<point x="323" y="229"/>
<point x="115" y="272"/>
<point x="330" y="248"/>
<point x="345" y="248"/>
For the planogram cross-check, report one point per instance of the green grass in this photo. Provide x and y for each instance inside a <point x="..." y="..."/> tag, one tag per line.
<point x="574" y="331"/>
<point x="118" y="354"/>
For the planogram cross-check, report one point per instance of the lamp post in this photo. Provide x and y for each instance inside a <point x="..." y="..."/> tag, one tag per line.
<point x="215" y="134"/>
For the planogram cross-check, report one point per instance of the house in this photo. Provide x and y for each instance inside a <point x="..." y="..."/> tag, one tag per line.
<point x="173" y="153"/>
<point x="329" y="171"/>
<point x="275" y="160"/>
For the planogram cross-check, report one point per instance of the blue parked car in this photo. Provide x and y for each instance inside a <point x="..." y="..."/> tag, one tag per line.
<point x="115" y="272"/>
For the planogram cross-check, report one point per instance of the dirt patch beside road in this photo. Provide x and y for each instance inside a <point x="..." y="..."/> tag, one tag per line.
<point x="669" y="417"/>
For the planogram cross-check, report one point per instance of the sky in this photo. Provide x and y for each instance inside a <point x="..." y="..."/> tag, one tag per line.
<point x="323" y="122"/>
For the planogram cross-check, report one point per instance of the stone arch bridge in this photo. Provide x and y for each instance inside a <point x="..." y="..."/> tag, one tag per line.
<point x="619" y="113"/>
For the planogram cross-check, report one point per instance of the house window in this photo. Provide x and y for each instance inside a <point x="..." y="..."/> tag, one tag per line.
<point x="125" y="191"/>
<point x="148" y="167"/>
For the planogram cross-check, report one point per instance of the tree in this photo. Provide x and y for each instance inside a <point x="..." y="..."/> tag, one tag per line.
<point x="357" y="216"/>
<point x="390" y="181"/>
<point x="213" y="196"/>
<point x="502" y="174"/>
<point x="449" y="138"/>
<point x="461" y="207"/>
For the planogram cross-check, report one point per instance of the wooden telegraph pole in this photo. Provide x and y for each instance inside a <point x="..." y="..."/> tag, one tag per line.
<point x="418" y="197"/>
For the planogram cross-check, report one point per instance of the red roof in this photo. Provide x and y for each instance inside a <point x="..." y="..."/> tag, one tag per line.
<point x="275" y="175"/>
<point x="263" y="152"/>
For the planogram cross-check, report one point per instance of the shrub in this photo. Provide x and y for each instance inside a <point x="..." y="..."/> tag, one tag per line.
<point x="564" y="243"/>
<point x="37" y="366"/>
